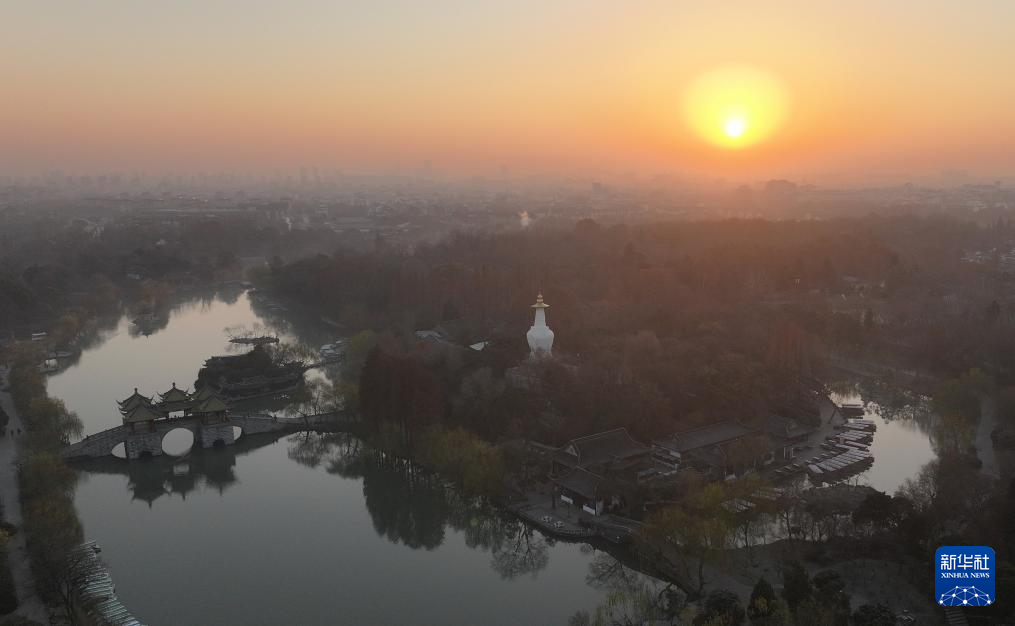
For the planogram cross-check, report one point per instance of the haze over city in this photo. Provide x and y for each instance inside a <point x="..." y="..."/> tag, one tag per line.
<point x="871" y="93"/>
<point x="448" y="313"/>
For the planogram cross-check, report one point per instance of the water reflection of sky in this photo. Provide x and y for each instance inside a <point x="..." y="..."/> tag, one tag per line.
<point x="298" y="530"/>
<point x="123" y="359"/>
<point x="901" y="445"/>
<point x="302" y="531"/>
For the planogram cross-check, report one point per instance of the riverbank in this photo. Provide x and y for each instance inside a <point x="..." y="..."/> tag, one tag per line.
<point x="29" y="604"/>
<point x="333" y="522"/>
<point x="328" y="519"/>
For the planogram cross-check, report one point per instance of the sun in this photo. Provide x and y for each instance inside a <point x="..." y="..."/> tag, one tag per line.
<point x="735" y="127"/>
<point x="734" y="106"/>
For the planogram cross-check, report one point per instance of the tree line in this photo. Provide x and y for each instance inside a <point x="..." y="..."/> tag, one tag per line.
<point x="46" y="483"/>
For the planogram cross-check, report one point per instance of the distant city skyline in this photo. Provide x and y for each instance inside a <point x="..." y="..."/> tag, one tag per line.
<point x="874" y="93"/>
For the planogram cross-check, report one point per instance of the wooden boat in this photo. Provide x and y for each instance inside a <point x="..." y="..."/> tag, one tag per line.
<point x="254" y="341"/>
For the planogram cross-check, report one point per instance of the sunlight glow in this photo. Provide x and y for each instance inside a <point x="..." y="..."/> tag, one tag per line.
<point x="734" y="106"/>
<point x="735" y="127"/>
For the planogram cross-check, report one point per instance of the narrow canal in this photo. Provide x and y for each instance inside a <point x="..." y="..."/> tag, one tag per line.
<point x="300" y="529"/>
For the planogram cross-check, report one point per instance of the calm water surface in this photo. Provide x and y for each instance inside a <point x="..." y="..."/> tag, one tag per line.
<point x="299" y="529"/>
<point x="901" y="445"/>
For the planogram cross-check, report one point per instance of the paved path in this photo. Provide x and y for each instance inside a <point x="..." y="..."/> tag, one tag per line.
<point x="984" y="444"/>
<point x="29" y="604"/>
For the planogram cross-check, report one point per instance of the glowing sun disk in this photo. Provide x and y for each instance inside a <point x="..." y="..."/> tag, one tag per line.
<point x="734" y="106"/>
<point x="735" y="127"/>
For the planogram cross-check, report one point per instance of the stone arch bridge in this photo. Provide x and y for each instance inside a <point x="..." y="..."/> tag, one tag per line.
<point x="146" y="439"/>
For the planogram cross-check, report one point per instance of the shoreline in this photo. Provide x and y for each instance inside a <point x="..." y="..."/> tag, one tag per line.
<point x="29" y="604"/>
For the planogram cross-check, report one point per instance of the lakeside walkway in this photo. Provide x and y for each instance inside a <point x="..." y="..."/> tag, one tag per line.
<point x="984" y="444"/>
<point x="29" y="604"/>
<point x="558" y="519"/>
<point x="541" y="510"/>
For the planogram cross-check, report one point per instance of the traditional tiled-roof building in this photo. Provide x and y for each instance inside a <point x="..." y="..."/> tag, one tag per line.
<point x="592" y="471"/>
<point x="142" y="414"/>
<point x="134" y="400"/>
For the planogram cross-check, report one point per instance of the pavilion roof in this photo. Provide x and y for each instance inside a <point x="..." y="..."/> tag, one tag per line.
<point x="142" y="413"/>
<point x="133" y="400"/>
<point x="175" y="395"/>
<point x="213" y="404"/>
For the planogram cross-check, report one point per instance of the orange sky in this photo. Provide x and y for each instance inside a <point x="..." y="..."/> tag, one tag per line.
<point x="874" y="90"/>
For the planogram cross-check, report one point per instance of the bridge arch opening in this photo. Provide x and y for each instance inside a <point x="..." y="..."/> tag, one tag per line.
<point x="237" y="433"/>
<point x="119" y="450"/>
<point x="177" y="442"/>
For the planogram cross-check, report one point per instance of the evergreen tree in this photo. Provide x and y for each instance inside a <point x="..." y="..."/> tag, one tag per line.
<point x="796" y="585"/>
<point x="830" y="591"/>
<point x="763" y="604"/>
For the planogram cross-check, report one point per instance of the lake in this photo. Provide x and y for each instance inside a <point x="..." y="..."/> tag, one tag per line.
<point x="901" y="445"/>
<point x="303" y="528"/>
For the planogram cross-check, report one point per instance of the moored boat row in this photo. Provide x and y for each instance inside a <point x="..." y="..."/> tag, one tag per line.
<point x="847" y="452"/>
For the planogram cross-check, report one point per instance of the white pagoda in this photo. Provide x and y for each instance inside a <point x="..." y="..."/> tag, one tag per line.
<point x="540" y="336"/>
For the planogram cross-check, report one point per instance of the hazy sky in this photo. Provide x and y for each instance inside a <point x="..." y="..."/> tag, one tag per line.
<point x="879" y="88"/>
